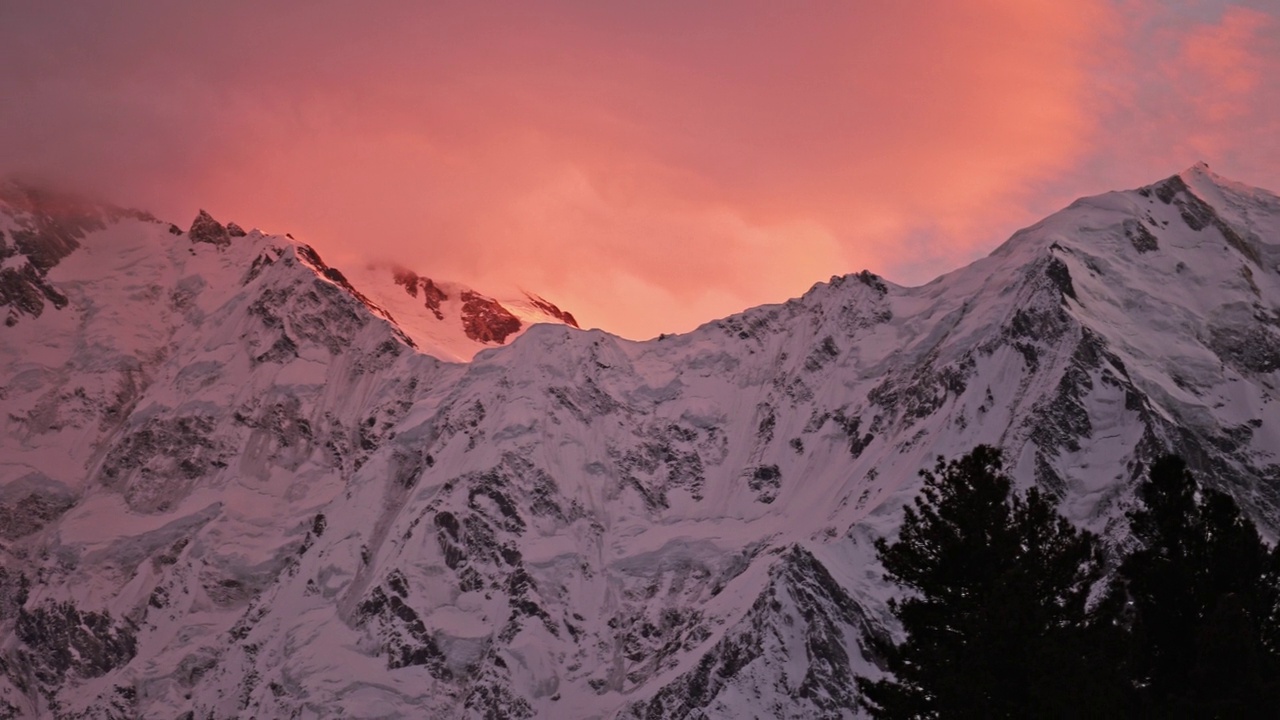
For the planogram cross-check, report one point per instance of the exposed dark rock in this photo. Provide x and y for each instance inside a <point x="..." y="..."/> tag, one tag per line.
<point x="852" y="428"/>
<point x="235" y="230"/>
<point x="1143" y="240"/>
<point x="447" y="536"/>
<point x="748" y="326"/>
<point x="156" y="464"/>
<point x="550" y="309"/>
<point x="282" y="351"/>
<point x="204" y="229"/>
<point x="585" y="400"/>
<point x="398" y="583"/>
<point x="1060" y="276"/>
<point x="64" y="640"/>
<point x="669" y="447"/>
<point x="1062" y="421"/>
<point x="491" y="485"/>
<point x="14" y="587"/>
<point x="322" y="314"/>
<point x="765" y="481"/>
<point x="1247" y="347"/>
<point x="826" y="351"/>
<point x="50" y="227"/>
<point x="768" y="421"/>
<point x="413" y="283"/>
<point x="873" y="281"/>
<point x="310" y="257"/>
<point x="1198" y="215"/>
<point x="485" y="320"/>
<point x="491" y="700"/>
<point x="22" y="516"/>
<point x="24" y="291"/>
<point x="520" y="588"/>
<point x="228" y="591"/>
<point x="406" y="640"/>
<point x="259" y="264"/>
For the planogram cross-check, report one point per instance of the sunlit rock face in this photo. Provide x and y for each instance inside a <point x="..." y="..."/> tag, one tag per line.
<point x="239" y="482"/>
<point x="485" y="320"/>
<point x="414" y="284"/>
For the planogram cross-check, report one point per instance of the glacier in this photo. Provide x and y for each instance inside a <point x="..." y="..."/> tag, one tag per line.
<point x="238" y="482"/>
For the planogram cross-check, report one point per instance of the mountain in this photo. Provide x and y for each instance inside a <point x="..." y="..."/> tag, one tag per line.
<point x="233" y="487"/>
<point x="447" y="320"/>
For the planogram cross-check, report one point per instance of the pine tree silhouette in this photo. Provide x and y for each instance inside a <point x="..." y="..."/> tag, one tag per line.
<point x="996" y="616"/>
<point x="1203" y="593"/>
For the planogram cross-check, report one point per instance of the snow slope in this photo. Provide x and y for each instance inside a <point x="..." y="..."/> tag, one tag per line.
<point x="244" y="494"/>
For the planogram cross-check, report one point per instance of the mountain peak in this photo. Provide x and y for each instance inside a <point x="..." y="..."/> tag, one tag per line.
<point x="231" y="491"/>
<point x="1199" y="169"/>
<point x="207" y="230"/>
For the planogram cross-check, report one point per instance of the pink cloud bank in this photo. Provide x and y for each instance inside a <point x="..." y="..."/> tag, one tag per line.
<point x="648" y="166"/>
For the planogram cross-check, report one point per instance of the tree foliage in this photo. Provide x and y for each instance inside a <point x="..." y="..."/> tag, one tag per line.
<point x="999" y="621"/>
<point x="997" y="615"/>
<point x="1203" y="592"/>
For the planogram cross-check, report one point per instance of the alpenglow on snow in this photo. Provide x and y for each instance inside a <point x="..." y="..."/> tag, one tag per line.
<point x="237" y="482"/>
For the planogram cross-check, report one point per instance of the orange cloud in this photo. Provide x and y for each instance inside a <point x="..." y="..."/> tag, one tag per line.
<point x="1185" y="82"/>
<point x="648" y="166"/>
<point x="704" y="160"/>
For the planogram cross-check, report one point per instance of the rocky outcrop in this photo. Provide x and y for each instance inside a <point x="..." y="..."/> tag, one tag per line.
<point x="578" y="525"/>
<point x="486" y="320"/>
<point x="61" y="639"/>
<point x="550" y="309"/>
<point x="23" y="513"/>
<point x="204" y="229"/>
<point x="48" y="227"/>
<point x="414" y="284"/>
<point x="24" y="290"/>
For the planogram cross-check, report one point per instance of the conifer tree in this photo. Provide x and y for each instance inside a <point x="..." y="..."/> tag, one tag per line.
<point x="996" y="611"/>
<point x="1203" y="593"/>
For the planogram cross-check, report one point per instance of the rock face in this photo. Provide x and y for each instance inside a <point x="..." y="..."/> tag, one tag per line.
<point x="414" y="284"/>
<point x="455" y="319"/>
<point x="485" y="320"/>
<point x="552" y="310"/>
<point x="39" y="229"/>
<point x="248" y="495"/>
<point x="204" y="229"/>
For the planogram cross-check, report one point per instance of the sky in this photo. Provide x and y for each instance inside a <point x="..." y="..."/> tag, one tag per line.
<point x="648" y="166"/>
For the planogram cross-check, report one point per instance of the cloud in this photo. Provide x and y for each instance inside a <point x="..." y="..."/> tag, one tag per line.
<point x="649" y="166"/>
<point x="1226" y="71"/>
<point x="1178" y="83"/>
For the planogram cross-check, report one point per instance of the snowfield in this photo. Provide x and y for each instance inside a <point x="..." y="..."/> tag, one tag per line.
<point x="236" y="482"/>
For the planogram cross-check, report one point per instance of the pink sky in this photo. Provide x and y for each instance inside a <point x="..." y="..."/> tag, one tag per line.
<point x="648" y="166"/>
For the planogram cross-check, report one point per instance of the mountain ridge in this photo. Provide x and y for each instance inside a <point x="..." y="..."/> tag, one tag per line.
<point x="579" y="524"/>
<point x="47" y="226"/>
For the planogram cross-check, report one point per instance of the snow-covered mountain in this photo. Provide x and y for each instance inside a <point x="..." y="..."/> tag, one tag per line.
<point x="231" y="485"/>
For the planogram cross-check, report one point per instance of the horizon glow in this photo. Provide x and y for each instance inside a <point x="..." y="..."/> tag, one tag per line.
<point x="647" y="167"/>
